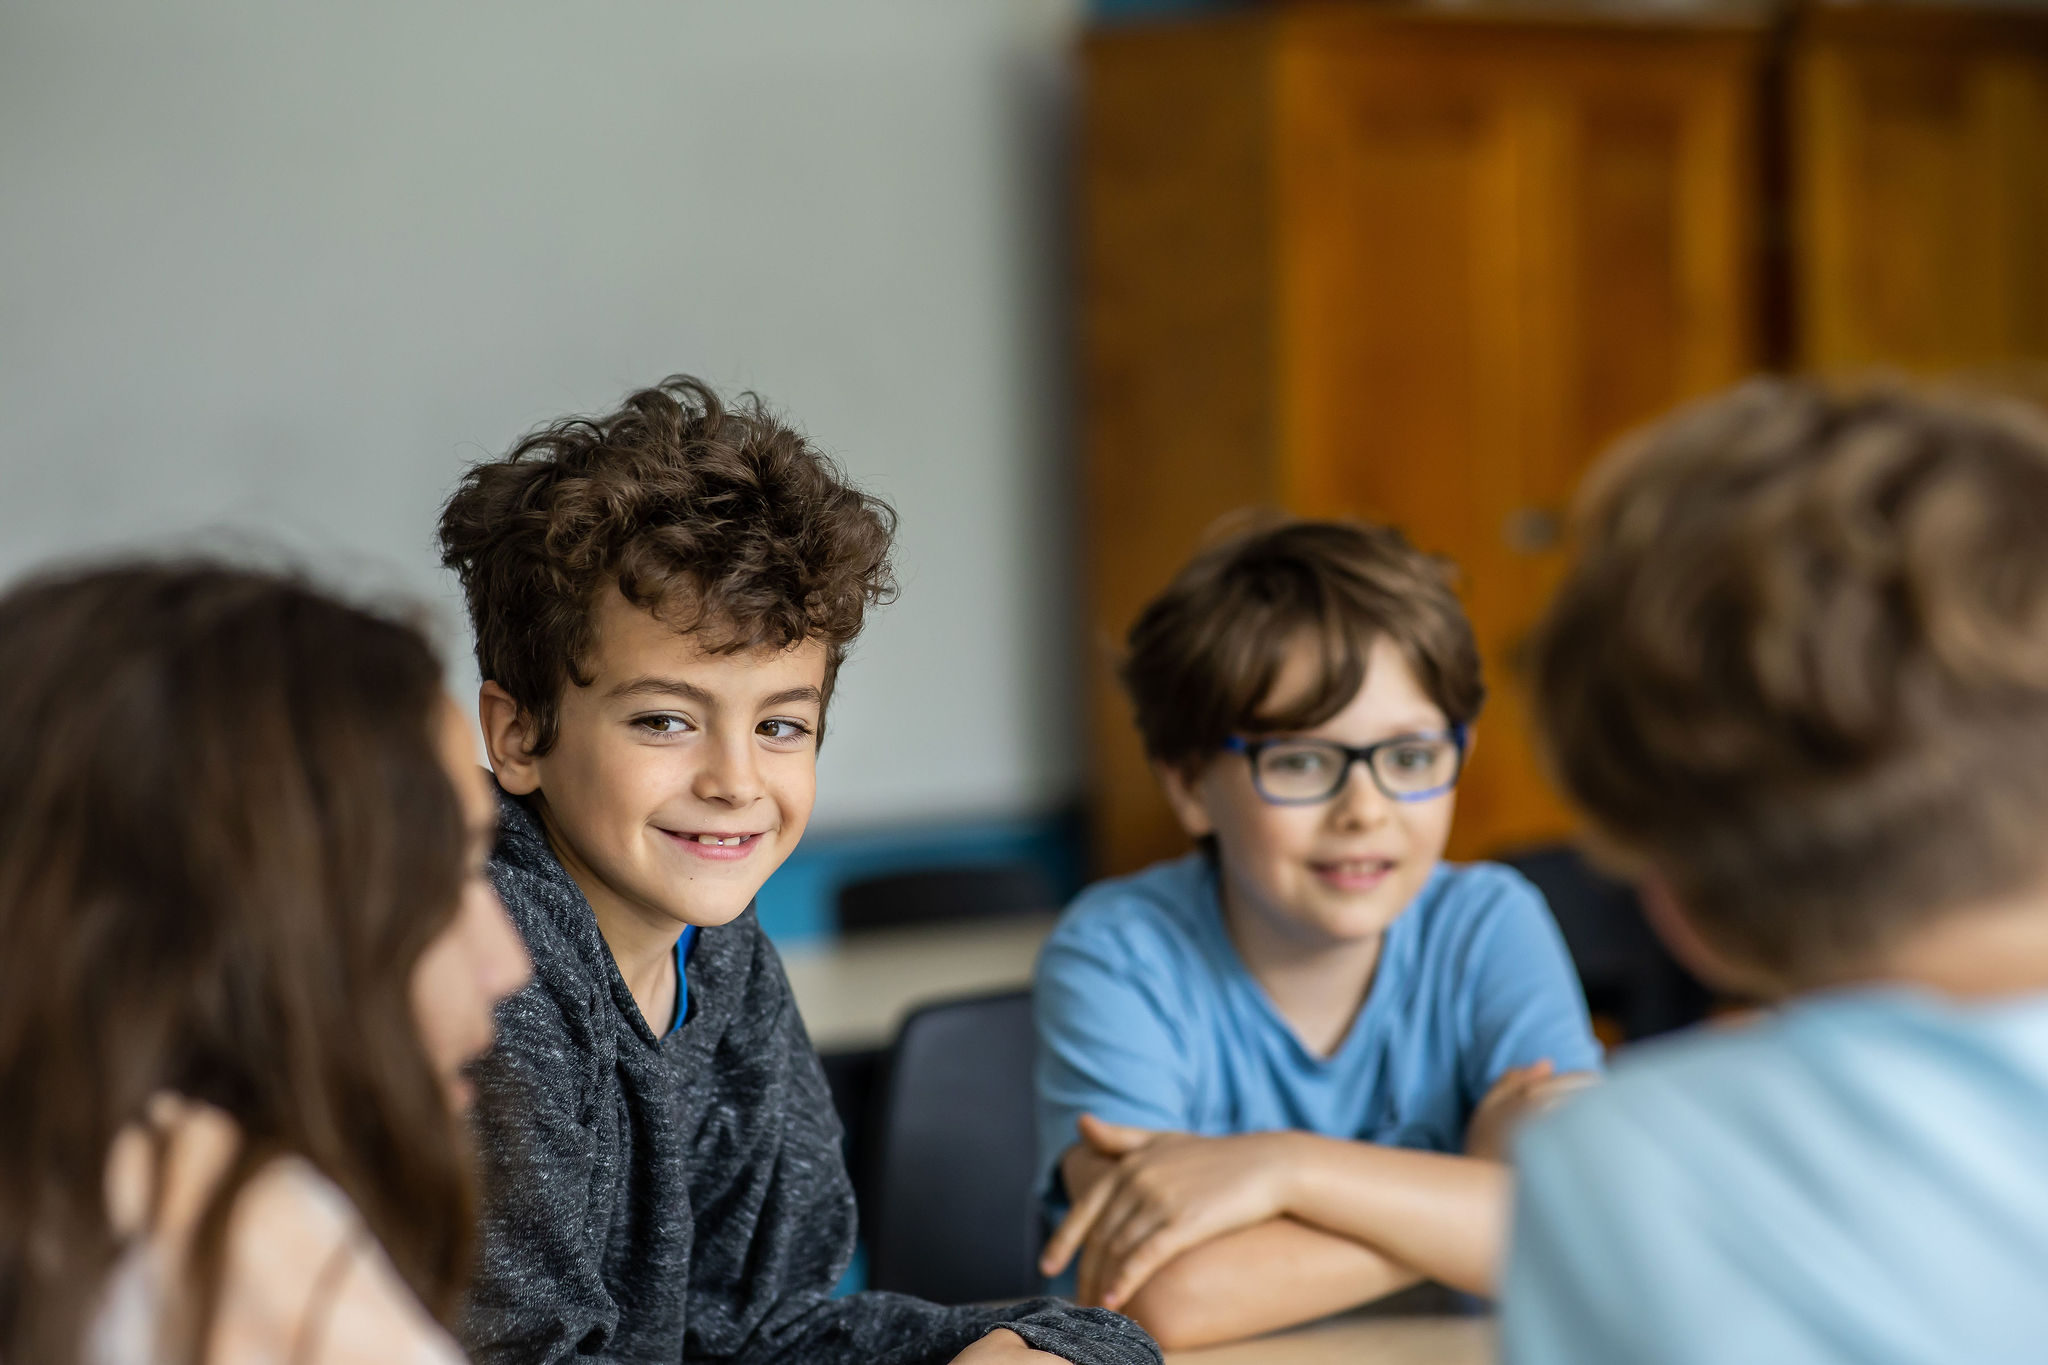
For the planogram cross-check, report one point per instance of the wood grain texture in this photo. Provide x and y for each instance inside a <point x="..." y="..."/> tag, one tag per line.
<point x="1505" y="245"/>
<point x="1919" y="186"/>
<point x="1177" y="346"/>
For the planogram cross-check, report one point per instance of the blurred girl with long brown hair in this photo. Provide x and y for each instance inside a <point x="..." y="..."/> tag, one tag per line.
<point x="246" y="947"/>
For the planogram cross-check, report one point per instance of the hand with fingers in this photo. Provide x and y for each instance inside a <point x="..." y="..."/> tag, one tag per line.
<point x="1167" y="1192"/>
<point x="1004" y="1347"/>
<point x="1521" y="1093"/>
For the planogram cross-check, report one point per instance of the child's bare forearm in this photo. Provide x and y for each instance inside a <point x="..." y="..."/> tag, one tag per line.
<point x="1517" y="1096"/>
<point x="1447" y="1216"/>
<point x="1256" y="1279"/>
<point x="1261" y="1279"/>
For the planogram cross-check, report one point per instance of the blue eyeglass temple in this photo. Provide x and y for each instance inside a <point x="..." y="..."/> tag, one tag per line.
<point x="1457" y="734"/>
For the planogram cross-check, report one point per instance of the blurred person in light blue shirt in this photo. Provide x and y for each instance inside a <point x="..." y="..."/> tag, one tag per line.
<point x="1798" y="679"/>
<point x="1275" y="1075"/>
<point x="1864" y="1177"/>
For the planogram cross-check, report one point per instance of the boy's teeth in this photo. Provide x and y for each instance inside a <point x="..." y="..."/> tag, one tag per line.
<point x="722" y="843"/>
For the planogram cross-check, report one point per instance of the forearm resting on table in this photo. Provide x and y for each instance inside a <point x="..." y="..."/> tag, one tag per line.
<point x="1260" y="1279"/>
<point x="1257" y="1279"/>
<point x="1447" y="1216"/>
<point x="1444" y="1216"/>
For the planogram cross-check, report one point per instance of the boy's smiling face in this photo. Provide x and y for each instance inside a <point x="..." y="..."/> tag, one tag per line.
<point x="1342" y="870"/>
<point x="679" y="778"/>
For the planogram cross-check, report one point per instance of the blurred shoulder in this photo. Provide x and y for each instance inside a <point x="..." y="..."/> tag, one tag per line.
<point x="1695" y="1099"/>
<point x="1855" y="1067"/>
<point x="307" y="1274"/>
<point x="1163" y="914"/>
<point x="1462" y="901"/>
<point x="302" y="1276"/>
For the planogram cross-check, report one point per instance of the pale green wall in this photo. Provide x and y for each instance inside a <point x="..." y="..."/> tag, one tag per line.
<point x="284" y="266"/>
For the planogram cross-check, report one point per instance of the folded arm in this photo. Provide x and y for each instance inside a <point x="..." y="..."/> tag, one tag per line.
<point x="1256" y="1279"/>
<point x="1145" y="1200"/>
<point x="1253" y="1279"/>
<point x="1447" y="1216"/>
<point x="1260" y="1279"/>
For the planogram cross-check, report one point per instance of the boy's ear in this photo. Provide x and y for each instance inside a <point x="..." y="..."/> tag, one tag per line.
<point x="508" y="738"/>
<point x="1671" y="923"/>
<point x="1187" y="803"/>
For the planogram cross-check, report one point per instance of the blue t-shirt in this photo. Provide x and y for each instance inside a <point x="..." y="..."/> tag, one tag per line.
<point x="1863" y="1177"/>
<point x="1147" y="1016"/>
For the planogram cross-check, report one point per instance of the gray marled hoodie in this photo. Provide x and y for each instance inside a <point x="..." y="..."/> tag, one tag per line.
<point x="682" y="1198"/>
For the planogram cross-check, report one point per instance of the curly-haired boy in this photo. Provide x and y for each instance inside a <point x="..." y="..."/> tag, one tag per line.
<point x="662" y="598"/>
<point x="1798" y="680"/>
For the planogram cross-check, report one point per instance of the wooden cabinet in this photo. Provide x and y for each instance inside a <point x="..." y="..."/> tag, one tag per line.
<point x="1917" y="144"/>
<point x="1413" y="266"/>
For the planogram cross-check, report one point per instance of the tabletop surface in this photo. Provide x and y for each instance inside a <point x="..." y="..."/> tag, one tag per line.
<point x="1359" y="1339"/>
<point x="853" y="992"/>
<point x="855" y="989"/>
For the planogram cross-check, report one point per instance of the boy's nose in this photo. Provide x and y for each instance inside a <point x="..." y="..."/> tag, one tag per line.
<point x="1359" y="803"/>
<point x="728" y="776"/>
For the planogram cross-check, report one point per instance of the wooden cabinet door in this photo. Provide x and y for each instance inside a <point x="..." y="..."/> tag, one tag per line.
<point x="1919" y="187"/>
<point x="1500" y="247"/>
<point x="1176" y="353"/>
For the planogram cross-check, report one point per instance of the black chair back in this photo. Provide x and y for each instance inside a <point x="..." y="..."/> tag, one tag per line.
<point x="955" y="1220"/>
<point x="1628" y="976"/>
<point x="946" y="893"/>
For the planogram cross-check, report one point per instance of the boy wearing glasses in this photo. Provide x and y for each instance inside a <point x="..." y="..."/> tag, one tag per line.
<point x="1275" y="1075"/>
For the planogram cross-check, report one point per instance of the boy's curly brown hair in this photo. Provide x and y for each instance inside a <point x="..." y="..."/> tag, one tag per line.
<point x="723" y="521"/>
<point x="1800" y="665"/>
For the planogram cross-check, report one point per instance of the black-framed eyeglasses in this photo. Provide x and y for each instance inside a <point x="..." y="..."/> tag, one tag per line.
<point x="1306" y="772"/>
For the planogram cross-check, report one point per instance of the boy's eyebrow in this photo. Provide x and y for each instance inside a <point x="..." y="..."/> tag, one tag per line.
<point x="667" y="687"/>
<point x="676" y="687"/>
<point x="1417" y="725"/>
<point x="793" y="696"/>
